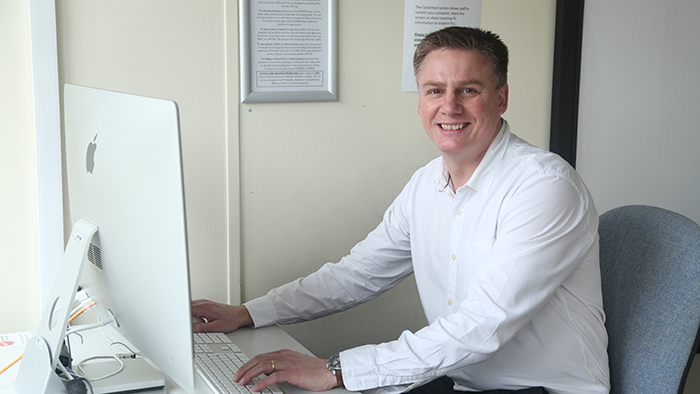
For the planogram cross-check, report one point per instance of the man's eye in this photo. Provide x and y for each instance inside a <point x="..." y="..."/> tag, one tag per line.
<point x="468" y="91"/>
<point x="433" y="91"/>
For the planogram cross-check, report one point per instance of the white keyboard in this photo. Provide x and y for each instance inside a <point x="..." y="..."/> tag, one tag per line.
<point x="217" y="359"/>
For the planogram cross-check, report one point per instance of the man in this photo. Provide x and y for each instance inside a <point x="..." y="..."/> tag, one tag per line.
<point x="501" y="236"/>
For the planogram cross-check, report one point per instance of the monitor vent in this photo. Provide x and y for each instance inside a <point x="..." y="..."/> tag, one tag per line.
<point x="95" y="256"/>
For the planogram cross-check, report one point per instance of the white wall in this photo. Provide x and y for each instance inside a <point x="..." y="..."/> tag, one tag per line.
<point x="638" y="121"/>
<point x="315" y="178"/>
<point x="19" y="256"/>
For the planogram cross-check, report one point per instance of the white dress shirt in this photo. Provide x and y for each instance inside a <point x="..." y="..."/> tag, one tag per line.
<point x="507" y="270"/>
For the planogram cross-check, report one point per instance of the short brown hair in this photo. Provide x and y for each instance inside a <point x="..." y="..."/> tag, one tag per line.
<point x="467" y="38"/>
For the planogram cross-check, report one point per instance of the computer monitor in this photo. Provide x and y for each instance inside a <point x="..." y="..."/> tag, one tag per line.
<point x="124" y="174"/>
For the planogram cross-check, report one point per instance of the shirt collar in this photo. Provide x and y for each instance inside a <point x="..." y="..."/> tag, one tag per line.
<point x="485" y="173"/>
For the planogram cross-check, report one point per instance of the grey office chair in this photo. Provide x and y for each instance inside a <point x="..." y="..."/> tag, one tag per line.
<point x="650" y="263"/>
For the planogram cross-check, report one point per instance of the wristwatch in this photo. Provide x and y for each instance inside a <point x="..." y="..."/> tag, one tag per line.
<point x="333" y="365"/>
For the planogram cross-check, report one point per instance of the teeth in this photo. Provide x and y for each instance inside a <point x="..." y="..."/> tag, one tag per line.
<point x="453" y="126"/>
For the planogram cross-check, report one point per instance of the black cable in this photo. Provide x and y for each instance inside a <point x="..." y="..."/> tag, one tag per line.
<point x="76" y="386"/>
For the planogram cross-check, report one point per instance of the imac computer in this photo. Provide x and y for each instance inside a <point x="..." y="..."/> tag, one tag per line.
<point x="128" y="248"/>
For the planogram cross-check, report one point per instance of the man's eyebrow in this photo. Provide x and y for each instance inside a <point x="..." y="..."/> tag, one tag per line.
<point x="468" y="82"/>
<point x="432" y="83"/>
<point x="472" y="82"/>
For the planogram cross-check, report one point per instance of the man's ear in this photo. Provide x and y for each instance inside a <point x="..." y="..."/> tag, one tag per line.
<point x="503" y="98"/>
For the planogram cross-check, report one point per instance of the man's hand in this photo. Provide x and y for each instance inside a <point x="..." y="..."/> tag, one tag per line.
<point x="219" y="317"/>
<point x="301" y="370"/>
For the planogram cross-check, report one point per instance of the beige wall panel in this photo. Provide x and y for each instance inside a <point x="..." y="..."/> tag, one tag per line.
<point x="19" y="256"/>
<point x="173" y="50"/>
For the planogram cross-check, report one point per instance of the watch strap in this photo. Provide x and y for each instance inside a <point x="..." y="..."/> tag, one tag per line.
<point x="338" y="377"/>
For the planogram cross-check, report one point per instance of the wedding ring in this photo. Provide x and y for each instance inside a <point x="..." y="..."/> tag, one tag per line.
<point x="273" y="365"/>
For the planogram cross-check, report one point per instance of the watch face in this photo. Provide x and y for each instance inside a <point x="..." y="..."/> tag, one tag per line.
<point x="334" y="363"/>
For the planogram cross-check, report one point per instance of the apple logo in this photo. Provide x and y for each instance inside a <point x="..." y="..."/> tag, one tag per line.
<point x="90" y="158"/>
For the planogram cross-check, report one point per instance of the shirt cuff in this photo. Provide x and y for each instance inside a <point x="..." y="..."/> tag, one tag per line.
<point x="360" y="373"/>
<point x="262" y="311"/>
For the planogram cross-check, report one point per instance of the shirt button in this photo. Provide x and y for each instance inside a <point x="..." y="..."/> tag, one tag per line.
<point x="458" y="212"/>
<point x="453" y="257"/>
<point x="449" y="302"/>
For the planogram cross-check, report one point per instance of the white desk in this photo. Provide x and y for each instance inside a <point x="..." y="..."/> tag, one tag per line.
<point x="251" y="341"/>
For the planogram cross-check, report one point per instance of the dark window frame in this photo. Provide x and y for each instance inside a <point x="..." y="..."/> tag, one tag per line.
<point x="566" y="78"/>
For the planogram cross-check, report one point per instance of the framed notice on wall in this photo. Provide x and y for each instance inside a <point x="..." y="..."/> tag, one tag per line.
<point x="289" y="50"/>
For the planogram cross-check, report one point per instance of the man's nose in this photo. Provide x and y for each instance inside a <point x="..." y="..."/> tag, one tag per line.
<point x="452" y="104"/>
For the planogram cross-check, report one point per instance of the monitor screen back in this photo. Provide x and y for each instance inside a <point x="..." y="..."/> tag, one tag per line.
<point x="124" y="174"/>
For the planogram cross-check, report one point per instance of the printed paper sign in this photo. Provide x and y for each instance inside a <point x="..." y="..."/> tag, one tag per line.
<point x="423" y="17"/>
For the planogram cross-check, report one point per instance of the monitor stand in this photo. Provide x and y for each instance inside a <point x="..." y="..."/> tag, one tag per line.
<point x="36" y="373"/>
<point x="137" y="375"/>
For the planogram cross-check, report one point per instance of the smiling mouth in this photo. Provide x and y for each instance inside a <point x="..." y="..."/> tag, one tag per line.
<point x="451" y="127"/>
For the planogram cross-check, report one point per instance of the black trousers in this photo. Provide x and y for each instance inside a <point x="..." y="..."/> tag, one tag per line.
<point x="445" y="385"/>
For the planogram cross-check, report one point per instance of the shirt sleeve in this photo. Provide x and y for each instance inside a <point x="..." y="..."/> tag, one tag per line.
<point x="545" y="228"/>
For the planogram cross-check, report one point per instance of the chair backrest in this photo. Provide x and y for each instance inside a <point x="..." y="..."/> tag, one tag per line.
<point x="650" y="267"/>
